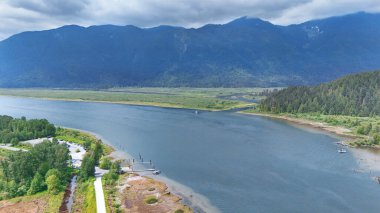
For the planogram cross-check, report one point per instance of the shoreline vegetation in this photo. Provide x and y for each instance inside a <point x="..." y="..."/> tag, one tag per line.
<point x="117" y="187"/>
<point x="211" y="99"/>
<point x="336" y="130"/>
<point x="352" y="102"/>
<point x="338" y="125"/>
<point x="34" y="176"/>
<point x="366" y="153"/>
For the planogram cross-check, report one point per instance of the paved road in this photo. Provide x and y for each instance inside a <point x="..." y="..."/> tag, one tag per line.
<point x="100" y="202"/>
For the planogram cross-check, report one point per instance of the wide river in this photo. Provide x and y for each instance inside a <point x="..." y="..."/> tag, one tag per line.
<point x="231" y="162"/>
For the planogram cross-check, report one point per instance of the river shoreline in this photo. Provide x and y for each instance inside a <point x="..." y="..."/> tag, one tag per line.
<point x="368" y="158"/>
<point x="116" y="154"/>
<point x="335" y="130"/>
<point x="140" y="114"/>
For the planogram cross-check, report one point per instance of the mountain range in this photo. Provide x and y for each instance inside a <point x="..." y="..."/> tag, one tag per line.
<point x="245" y="52"/>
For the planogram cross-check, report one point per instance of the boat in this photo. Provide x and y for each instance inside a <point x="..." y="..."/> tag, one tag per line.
<point x="156" y="172"/>
<point x="342" y="150"/>
<point x="196" y="112"/>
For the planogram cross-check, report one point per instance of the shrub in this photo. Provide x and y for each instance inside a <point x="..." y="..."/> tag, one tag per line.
<point x="105" y="163"/>
<point x="376" y="138"/>
<point x="22" y="190"/>
<point x="52" y="172"/>
<point x="12" y="189"/>
<point x="37" y="184"/>
<point x="111" y="177"/>
<point x="87" y="169"/>
<point x="151" y="200"/>
<point x="53" y="184"/>
<point x="360" y="130"/>
<point x="55" y="140"/>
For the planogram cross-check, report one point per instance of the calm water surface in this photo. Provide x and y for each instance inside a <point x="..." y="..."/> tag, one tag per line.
<point x="240" y="163"/>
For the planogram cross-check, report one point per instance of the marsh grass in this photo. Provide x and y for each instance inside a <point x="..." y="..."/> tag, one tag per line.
<point x="192" y="98"/>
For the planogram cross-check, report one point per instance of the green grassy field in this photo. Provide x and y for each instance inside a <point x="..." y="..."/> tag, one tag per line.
<point x="192" y="98"/>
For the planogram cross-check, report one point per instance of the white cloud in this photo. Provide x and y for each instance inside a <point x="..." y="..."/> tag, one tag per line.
<point x="23" y="15"/>
<point x="317" y="9"/>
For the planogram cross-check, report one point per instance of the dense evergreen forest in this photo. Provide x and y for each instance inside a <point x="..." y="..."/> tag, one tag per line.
<point x="14" y="130"/>
<point x="355" y="95"/>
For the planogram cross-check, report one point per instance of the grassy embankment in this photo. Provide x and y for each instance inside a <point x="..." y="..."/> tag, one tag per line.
<point x="364" y="131"/>
<point x="191" y="98"/>
<point x="112" y="195"/>
<point x="84" y="197"/>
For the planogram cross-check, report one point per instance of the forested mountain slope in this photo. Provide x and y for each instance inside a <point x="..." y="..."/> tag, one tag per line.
<point x="357" y="95"/>
<point x="244" y="52"/>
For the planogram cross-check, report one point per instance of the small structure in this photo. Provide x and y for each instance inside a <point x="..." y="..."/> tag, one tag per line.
<point x="342" y="151"/>
<point x="156" y="172"/>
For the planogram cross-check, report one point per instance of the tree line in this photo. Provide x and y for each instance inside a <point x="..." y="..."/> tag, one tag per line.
<point x="13" y="130"/>
<point x="46" y="166"/>
<point x="355" y="95"/>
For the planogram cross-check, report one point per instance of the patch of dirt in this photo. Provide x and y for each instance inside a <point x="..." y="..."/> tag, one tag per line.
<point x="35" y="206"/>
<point x="139" y="188"/>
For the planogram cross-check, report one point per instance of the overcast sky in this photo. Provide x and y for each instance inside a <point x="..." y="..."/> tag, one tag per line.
<point x="24" y="15"/>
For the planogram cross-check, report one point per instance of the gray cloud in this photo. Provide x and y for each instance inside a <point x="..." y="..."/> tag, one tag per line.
<point x="51" y="7"/>
<point x="23" y="15"/>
